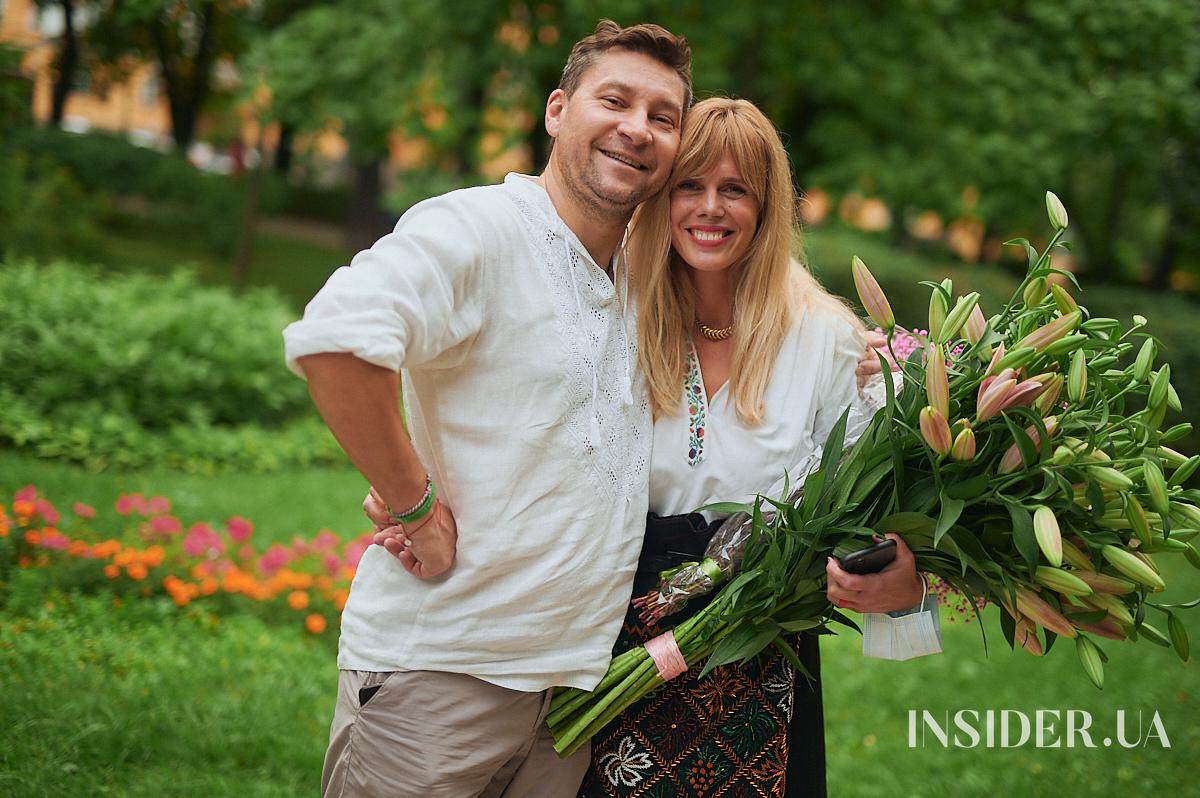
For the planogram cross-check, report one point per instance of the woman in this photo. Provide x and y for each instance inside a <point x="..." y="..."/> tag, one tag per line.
<point x="750" y="363"/>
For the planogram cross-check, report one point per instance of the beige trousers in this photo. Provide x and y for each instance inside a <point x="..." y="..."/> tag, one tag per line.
<point x="427" y="734"/>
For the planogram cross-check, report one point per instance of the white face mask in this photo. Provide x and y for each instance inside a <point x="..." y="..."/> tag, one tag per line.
<point x="913" y="635"/>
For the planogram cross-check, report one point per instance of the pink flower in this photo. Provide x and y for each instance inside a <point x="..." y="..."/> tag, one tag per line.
<point x="333" y="564"/>
<point x="325" y="540"/>
<point x="84" y="511"/>
<point x="46" y="510"/>
<point x="165" y="525"/>
<point x="53" y="539"/>
<point x="128" y="503"/>
<point x="202" y="541"/>
<point x="156" y="505"/>
<point x="355" y="549"/>
<point x="275" y="558"/>
<point x="239" y="529"/>
<point x="27" y="493"/>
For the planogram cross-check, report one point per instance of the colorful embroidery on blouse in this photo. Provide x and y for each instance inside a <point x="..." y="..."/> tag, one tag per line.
<point x="693" y="388"/>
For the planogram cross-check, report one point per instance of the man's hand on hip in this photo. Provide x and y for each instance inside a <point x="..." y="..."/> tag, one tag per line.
<point x="426" y="548"/>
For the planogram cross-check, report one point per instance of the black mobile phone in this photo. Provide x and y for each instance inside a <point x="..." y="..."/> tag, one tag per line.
<point x="870" y="560"/>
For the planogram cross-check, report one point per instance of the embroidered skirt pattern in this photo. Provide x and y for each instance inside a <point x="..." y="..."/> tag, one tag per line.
<point x="724" y="735"/>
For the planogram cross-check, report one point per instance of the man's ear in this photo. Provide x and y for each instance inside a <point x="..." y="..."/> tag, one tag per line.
<point x="555" y="104"/>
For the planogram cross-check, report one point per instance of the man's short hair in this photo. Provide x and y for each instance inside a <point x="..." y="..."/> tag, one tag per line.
<point x="648" y="39"/>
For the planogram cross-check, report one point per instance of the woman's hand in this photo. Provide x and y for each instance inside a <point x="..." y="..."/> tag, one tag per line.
<point x="426" y="548"/>
<point x="869" y="365"/>
<point x="897" y="587"/>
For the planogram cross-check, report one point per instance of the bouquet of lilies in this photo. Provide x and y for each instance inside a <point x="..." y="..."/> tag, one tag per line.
<point x="1025" y="462"/>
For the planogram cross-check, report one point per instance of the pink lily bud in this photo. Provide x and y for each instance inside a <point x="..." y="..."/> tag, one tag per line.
<point x="937" y="386"/>
<point x="999" y="353"/>
<point x="990" y="400"/>
<point x="1012" y="457"/>
<point x="935" y="430"/>
<point x="963" y="448"/>
<point x="1025" y="635"/>
<point x="1048" y="399"/>
<point x="871" y="295"/>
<point x="1050" y="332"/>
<point x="1023" y="393"/>
<point x="1037" y="610"/>
<point x="973" y="329"/>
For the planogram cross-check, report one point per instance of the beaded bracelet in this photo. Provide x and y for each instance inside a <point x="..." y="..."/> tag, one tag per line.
<point x="418" y="510"/>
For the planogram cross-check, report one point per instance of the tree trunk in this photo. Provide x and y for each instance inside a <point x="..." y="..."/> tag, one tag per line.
<point x="68" y="61"/>
<point x="1164" y="264"/>
<point x="187" y="84"/>
<point x="244" y="250"/>
<point x="283" y="150"/>
<point x="364" y="215"/>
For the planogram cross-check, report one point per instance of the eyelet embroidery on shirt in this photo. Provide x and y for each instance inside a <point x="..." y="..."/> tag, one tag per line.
<point x="693" y="388"/>
<point x="615" y="461"/>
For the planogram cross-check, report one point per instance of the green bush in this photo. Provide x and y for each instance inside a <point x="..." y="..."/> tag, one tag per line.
<point x="204" y="206"/>
<point x="44" y="212"/>
<point x="133" y="370"/>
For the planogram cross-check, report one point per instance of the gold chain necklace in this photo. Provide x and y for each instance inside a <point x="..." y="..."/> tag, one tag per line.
<point x="713" y="333"/>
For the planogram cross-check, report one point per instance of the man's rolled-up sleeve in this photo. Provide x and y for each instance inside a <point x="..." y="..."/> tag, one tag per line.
<point x="411" y="296"/>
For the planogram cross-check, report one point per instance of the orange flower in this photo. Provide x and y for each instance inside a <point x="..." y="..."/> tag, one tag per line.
<point x="339" y="598"/>
<point x="137" y="571"/>
<point x="315" y="623"/>
<point x="297" y="599"/>
<point x="153" y="556"/>
<point x="23" y="509"/>
<point x="208" y="586"/>
<point x="77" y="548"/>
<point x="112" y="571"/>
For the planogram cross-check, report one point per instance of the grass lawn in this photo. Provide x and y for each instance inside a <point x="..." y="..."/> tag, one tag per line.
<point x="146" y="699"/>
<point x="867" y="704"/>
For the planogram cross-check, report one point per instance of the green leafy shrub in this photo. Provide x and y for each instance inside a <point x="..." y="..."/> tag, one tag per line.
<point x="133" y="370"/>
<point x="44" y="212"/>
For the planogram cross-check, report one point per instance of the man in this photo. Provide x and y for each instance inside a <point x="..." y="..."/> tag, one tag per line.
<point x="523" y="493"/>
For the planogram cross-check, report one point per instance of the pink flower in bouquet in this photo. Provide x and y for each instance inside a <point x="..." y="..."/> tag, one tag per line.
<point x="84" y="510"/>
<point x="26" y="494"/>
<point x="239" y="529"/>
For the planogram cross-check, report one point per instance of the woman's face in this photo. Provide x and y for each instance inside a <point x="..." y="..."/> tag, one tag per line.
<point x="713" y="217"/>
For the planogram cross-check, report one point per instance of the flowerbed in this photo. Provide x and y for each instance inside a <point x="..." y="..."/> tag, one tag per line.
<point x="140" y="549"/>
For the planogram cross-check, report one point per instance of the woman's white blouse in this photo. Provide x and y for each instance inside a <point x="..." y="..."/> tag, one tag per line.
<point x="704" y="453"/>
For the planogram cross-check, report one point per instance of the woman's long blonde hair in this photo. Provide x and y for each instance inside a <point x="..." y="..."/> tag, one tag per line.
<point x="771" y="288"/>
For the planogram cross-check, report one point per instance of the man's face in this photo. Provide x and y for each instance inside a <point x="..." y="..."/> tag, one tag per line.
<point x="616" y="136"/>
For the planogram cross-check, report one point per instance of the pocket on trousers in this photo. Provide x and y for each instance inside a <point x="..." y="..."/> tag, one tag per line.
<point x="366" y="693"/>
